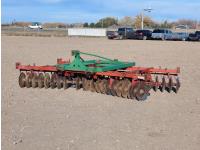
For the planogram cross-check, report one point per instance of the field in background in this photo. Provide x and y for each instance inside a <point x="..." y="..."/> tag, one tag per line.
<point x="46" y="32"/>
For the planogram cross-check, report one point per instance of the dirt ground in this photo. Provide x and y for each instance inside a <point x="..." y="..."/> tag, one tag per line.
<point x="46" y="119"/>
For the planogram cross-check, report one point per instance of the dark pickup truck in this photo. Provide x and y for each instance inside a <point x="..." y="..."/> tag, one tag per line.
<point x="122" y="33"/>
<point x="143" y="34"/>
<point x="194" y="36"/>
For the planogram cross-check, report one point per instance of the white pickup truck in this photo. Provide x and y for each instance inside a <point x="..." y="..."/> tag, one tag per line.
<point x="161" y="34"/>
<point x="35" y="25"/>
<point x="165" y="34"/>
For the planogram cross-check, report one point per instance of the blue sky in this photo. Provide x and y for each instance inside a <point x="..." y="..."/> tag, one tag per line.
<point x="70" y="11"/>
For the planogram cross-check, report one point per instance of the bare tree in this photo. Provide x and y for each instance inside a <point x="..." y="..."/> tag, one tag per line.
<point x="191" y="23"/>
<point x="126" y="21"/>
<point x="148" y="22"/>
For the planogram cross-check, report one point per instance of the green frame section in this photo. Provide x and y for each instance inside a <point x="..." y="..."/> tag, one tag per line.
<point x="101" y="65"/>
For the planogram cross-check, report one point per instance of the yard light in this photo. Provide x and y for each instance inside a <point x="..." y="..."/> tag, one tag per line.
<point x="147" y="10"/>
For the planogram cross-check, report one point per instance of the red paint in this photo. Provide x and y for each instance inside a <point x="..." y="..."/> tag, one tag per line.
<point x="134" y="82"/>
<point x="61" y="61"/>
<point x="134" y="73"/>
<point x="154" y="70"/>
<point x="36" y="68"/>
<point x="111" y="80"/>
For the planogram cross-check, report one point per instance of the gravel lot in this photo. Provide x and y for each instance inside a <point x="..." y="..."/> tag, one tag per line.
<point x="76" y="120"/>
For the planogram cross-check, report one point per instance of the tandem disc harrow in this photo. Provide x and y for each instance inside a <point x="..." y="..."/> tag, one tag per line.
<point x="103" y="75"/>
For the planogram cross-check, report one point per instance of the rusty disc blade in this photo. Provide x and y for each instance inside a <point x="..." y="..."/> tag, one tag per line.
<point x="59" y="82"/>
<point x="118" y="88"/>
<point x="46" y="80"/>
<point x="35" y="80"/>
<point x="86" y="84"/>
<point x="125" y="88"/>
<point x="178" y="85"/>
<point x="78" y="83"/>
<point x="29" y="77"/>
<point x="170" y="85"/>
<point x="106" y="86"/>
<point x="103" y="86"/>
<point x="112" y="89"/>
<point x="66" y="83"/>
<point x="163" y="84"/>
<point x="40" y="80"/>
<point x="133" y="90"/>
<point x="92" y="87"/>
<point x="141" y="93"/>
<point x="155" y="88"/>
<point x="96" y="84"/>
<point x="53" y="80"/>
<point x="22" y="79"/>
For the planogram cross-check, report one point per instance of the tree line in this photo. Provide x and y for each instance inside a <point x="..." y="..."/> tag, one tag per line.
<point x="106" y="22"/>
<point x="135" y="22"/>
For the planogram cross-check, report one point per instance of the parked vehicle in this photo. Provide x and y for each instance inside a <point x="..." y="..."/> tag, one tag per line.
<point x="143" y="34"/>
<point x="35" y="25"/>
<point x="160" y="34"/>
<point x="179" y="36"/>
<point x="122" y="33"/>
<point x="126" y="33"/>
<point x="112" y="34"/>
<point x="182" y="27"/>
<point x="194" y="36"/>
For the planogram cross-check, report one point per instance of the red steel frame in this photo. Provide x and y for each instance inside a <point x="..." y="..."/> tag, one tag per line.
<point x="131" y="72"/>
<point x="155" y="70"/>
<point x="35" y="68"/>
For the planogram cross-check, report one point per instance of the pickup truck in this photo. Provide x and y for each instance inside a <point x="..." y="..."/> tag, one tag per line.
<point x="35" y="25"/>
<point x="112" y="34"/>
<point x="160" y="34"/>
<point x="178" y="36"/>
<point x="194" y="36"/>
<point x="143" y="34"/>
<point x="122" y="33"/>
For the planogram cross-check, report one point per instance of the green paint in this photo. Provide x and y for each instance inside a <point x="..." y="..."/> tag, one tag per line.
<point x="100" y="65"/>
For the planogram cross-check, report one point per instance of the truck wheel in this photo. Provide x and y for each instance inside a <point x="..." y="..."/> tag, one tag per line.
<point x="144" y="38"/>
<point x="183" y="39"/>
<point x="121" y="37"/>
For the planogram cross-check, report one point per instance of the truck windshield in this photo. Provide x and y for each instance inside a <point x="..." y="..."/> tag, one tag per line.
<point x="158" y="31"/>
<point x="197" y="32"/>
<point x="36" y="23"/>
<point x="121" y="29"/>
<point x="127" y="29"/>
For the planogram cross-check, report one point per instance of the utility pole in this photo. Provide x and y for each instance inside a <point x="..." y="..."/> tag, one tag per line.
<point x="142" y="16"/>
<point x="142" y="23"/>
